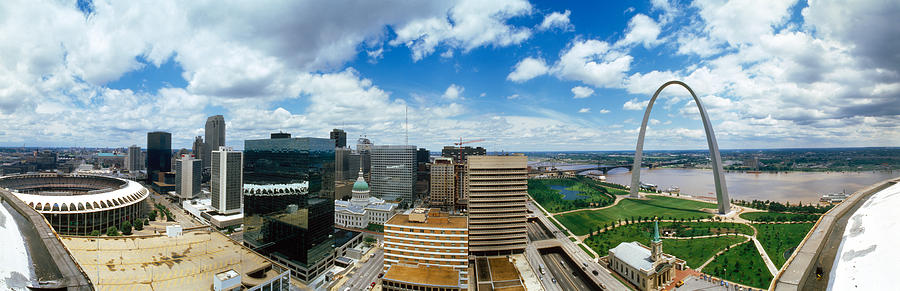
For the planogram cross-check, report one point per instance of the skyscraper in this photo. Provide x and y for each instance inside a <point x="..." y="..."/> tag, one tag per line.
<point x="442" y="192"/>
<point x="498" y="188"/>
<point x="394" y="172"/>
<point x="188" y="171"/>
<point x="134" y="162"/>
<point x="340" y="138"/>
<point x="215" y="137"/>
<point x="289" y="202"/>
<point x="159" y="154"/>
<point x="227" y="181"/>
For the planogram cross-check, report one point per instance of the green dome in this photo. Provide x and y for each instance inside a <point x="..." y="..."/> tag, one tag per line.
<point x="360" y="185"/>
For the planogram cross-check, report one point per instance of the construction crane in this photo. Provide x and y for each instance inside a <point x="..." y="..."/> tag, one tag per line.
<point x="459" y="145"/>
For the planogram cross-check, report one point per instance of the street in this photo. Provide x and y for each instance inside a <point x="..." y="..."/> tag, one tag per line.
<point x="365" y="274"/>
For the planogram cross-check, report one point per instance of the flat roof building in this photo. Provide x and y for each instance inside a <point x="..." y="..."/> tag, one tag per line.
<point x="498" y="189"/>
<point x="422" y="240"/>
<point x="188" y="172"/>
<point x="443" y="180"/>
<point x="227" y="180"/>
<point x="394" y="172"/>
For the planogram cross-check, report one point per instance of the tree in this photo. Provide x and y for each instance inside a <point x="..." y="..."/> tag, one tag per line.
<point x="95" y="233"/>
<point x="112" y="231"/>
<point x="153" y="215"/>
<point x="126" y="228"/>
<point x="146" y="222"/>
<point x="138" y="224"/>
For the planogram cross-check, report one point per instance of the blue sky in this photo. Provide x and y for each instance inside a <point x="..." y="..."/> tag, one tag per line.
<point x="523" y="75"/>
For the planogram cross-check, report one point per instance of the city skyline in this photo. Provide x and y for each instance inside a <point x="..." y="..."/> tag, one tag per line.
<point x="571" y="76"/>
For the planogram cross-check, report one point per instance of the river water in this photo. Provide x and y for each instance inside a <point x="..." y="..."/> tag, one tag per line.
<point x="789" y="186"/>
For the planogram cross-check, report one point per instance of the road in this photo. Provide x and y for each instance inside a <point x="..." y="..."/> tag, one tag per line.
<point x="536" y="232"/>
<point x="565" y="277"/>
<point x="365" y="274"/>
<point x="578" y="255"/>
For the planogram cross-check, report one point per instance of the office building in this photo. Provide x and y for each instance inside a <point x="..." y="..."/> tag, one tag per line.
<point x="394" y="172"/>
<point x="135" y="160"/>
<point x="364" y="150"/>
<point x="342" y="164"/>
<point x="339" y="136"/>
<point x="498" y="189"/>
<point x="443" y="194"/>
<point x="362" y="209"/>
<point x="215" y="137"/>
<point x="187" y="176"/>
<point x="226" y="180"/>
<point x="159" y="154"/>
<point x="289" y="202"/>
<point x="198" y="148"/>
<point x="425" y="241"/>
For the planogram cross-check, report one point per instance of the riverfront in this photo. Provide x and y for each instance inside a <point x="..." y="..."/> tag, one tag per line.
<point x="782" y="186"/>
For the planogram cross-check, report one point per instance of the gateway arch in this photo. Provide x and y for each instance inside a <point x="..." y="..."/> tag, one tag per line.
<point x="716" y="160"/>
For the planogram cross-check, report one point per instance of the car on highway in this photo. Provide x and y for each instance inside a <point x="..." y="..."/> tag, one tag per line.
<point x="554" y="280"/>
<point x="380" y="275"/>
<point x="596" y="273"/>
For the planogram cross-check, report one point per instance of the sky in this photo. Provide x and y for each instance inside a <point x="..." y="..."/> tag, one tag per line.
<point x="522" y="75"/>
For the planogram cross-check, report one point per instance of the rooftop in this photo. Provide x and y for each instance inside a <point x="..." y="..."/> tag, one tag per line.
<point x="434" y="220"/>
<point x="633" y="254"/>
<point x="423" y="275"/>
<point x="158" y="262"/>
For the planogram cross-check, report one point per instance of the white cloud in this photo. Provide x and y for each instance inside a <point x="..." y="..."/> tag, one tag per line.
<point x="512" y="97"/>
<point x="467" y="25"/>
<point x="527" y="69"/>
<point x="634" y="104"/>
<point x="641" y="30"/>
<point x="742" y="21"/>
<point x="453" y="92"/>
<point x="557" y="20"/>
<point x="603" y="111"/>
<point x="582" y="92"/>
<point x="584" y="110"/>
<point x="594" y="63"/>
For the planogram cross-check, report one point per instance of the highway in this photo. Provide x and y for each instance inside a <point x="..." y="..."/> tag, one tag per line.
<point x="562" y="271"/>
<point x="536" y="232"/>
<point x="365" y="274"/>
<point x="578" y="255"/>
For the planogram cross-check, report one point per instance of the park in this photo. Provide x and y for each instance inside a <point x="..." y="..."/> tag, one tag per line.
<point x="598" y="216"/>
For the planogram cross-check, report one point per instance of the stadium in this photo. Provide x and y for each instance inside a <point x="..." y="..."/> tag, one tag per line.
<point x="79" y="204"/>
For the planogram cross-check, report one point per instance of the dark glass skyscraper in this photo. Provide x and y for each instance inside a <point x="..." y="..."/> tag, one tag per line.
<point x="289" y="202"/>
<point x="339" y="136"/>
<point x="159" y="154"/>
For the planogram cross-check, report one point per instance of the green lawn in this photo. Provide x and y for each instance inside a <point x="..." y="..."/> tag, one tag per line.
<point x="583" y="222"/>
<point x="778" y="216"/>
<point x="697" y="251"/>
<point x="779" y="238"/>
<point x="741" y="264"/>
<point x="591" y="194"/>
<point x="695" y="255"/>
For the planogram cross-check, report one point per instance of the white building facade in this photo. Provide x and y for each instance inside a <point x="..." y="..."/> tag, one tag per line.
<point x="226" y="180"/>
<point x="362" y="209"/>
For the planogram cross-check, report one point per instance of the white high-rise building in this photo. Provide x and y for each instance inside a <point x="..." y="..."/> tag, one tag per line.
<point x="135" y="161"/>
<point x="188" y="172"/>
<point x="227" y="180"/>
<point x="394" y="172"/>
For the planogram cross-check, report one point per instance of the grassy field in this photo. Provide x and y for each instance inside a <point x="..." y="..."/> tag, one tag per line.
<point x="741" y="264"/>
<point x="583" y="222"/>
<point x="591" y="194"/>
<point x="641" y="232"/>
<point x="779" y="238"/>
<point x="778" y="216"/>
<point x="697" y="251"/>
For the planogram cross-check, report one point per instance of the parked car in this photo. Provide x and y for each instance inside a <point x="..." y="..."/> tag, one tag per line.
<point x="380" y="275"/>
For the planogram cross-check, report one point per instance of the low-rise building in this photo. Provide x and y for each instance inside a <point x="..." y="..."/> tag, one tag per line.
<point x="423" y="243"/>
<point x="648" y="269"/>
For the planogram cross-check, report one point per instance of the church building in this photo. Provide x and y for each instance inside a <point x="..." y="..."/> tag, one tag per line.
<point x="646" y="268"/>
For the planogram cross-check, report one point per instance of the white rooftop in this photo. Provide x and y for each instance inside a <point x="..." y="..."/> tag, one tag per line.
<point x="633" y="254"/>
<point x="868" y="251"/>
